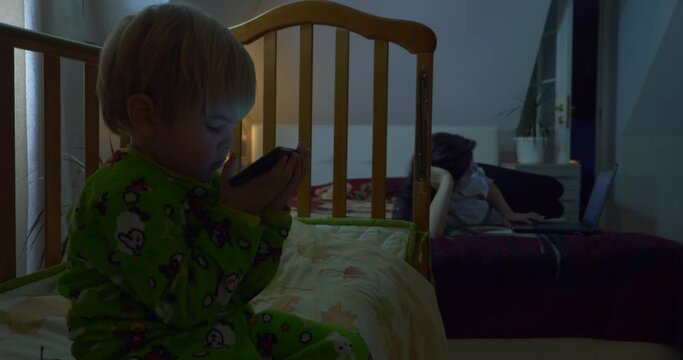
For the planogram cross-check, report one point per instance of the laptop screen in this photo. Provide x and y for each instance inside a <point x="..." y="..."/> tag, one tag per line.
<point x="596" y="203"/>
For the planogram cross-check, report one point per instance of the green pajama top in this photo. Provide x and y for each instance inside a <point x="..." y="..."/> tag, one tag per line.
<point x="152" y="256"/>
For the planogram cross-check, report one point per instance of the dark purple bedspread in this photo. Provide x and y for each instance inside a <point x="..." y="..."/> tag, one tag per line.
<point x="611" y="286"/>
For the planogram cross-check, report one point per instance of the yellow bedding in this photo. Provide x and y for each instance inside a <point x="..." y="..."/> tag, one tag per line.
<point x="353" y="276"/>
<point x="334" y="278"/>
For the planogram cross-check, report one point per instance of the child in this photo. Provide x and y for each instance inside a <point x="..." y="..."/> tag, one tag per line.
<point x="476" y="200"/>
<point x="164" y="255"/>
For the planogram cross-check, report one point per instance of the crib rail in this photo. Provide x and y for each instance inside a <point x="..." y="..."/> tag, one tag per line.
<point x="414" y="37"/>
<point x="53" y="50"/>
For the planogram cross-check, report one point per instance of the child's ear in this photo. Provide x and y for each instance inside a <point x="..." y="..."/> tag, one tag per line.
<point x="142" y="114"/>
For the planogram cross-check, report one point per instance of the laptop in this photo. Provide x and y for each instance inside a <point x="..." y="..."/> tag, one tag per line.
<point x="591" y="217"/>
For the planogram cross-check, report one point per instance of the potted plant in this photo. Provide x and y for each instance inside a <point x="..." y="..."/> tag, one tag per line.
<point x="533" y="129"/>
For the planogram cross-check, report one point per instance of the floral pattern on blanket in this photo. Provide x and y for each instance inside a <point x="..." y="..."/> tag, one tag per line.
<point x="32" y="326"/>
<point x="28" y="315"/>
<point x="351" y="276"/>
<point x="358" y="198"/>
<point x="329" y="278"/>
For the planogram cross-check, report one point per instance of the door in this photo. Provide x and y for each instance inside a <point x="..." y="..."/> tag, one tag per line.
<point x="564" y="12"/>
<point x="552" y="80"/>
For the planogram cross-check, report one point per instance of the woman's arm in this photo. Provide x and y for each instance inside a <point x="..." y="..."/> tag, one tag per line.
<point x="497" y="200"/>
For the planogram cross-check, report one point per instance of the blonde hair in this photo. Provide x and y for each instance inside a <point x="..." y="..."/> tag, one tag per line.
<point x="183" y="59"/>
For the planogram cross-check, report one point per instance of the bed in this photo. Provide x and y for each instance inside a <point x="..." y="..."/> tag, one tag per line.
<point x="371" y="274"/>
<point x="607" y="295"/>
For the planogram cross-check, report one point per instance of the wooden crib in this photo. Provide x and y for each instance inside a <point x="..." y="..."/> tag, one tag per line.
<point x="413" y="37"/>
<point x="412" y="310"/>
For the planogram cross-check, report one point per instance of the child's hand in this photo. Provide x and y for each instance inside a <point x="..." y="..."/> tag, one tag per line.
<point x="526" y="218"/>
<point x="303" y="164"/>
<point x="254" y="195"/>
<point x="257" y="194"/>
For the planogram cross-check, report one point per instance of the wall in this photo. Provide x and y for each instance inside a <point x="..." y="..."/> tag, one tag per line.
<point x="485" y="54"/>
<point x="649" y="132"/>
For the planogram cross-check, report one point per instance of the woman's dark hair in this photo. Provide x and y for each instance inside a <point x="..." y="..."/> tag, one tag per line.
<point x="450" y="152"/>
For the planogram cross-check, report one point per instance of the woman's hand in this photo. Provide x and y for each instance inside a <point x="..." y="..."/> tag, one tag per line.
<point x="526" y="218"/>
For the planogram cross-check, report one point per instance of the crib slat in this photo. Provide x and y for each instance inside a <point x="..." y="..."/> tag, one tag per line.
<point x="92" y="121"/>
<point x="269" y="89"/>
<point x="52" y="156"/>
<point x="341" y="122"/>
<point x="7" y="162"/>
<point x="379" y="129"/>
<point x="305" y="112"/>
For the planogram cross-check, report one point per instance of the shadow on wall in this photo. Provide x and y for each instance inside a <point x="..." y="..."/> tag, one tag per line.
<point x="638" y="212"/>
<point x="635" y="220"/>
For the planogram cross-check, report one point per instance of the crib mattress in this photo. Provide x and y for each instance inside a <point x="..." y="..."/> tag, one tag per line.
<point x="346" y="272"/>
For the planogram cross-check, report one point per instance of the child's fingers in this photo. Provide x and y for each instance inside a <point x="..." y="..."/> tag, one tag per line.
<point x="290" y="178"/>
<point x="292" y="162"/>
<point x="279" y="174"/>
<point x="305" y="158"/>
<point x="292" y="185"/>
<point x="297" y="174"/>
<point x="275" y="173"/>
<point x="294" y="175"/>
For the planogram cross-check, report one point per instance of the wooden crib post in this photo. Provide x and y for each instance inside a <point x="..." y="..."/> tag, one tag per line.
<point x="423" y="159"/>
<point x="52" y="155"/>
<point x="92" y="120"/>
<point x="423" y="142"/>
<point x="7" y="162"/>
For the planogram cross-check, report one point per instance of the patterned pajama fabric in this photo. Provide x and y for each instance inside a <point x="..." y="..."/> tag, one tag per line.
<point x="159" y="270"/>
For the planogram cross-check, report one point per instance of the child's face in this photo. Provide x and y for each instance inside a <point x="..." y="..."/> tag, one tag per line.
<point x="195" y="146"/>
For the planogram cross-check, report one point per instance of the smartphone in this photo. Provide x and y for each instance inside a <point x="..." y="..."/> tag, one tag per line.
<point x="261" y="165"/>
